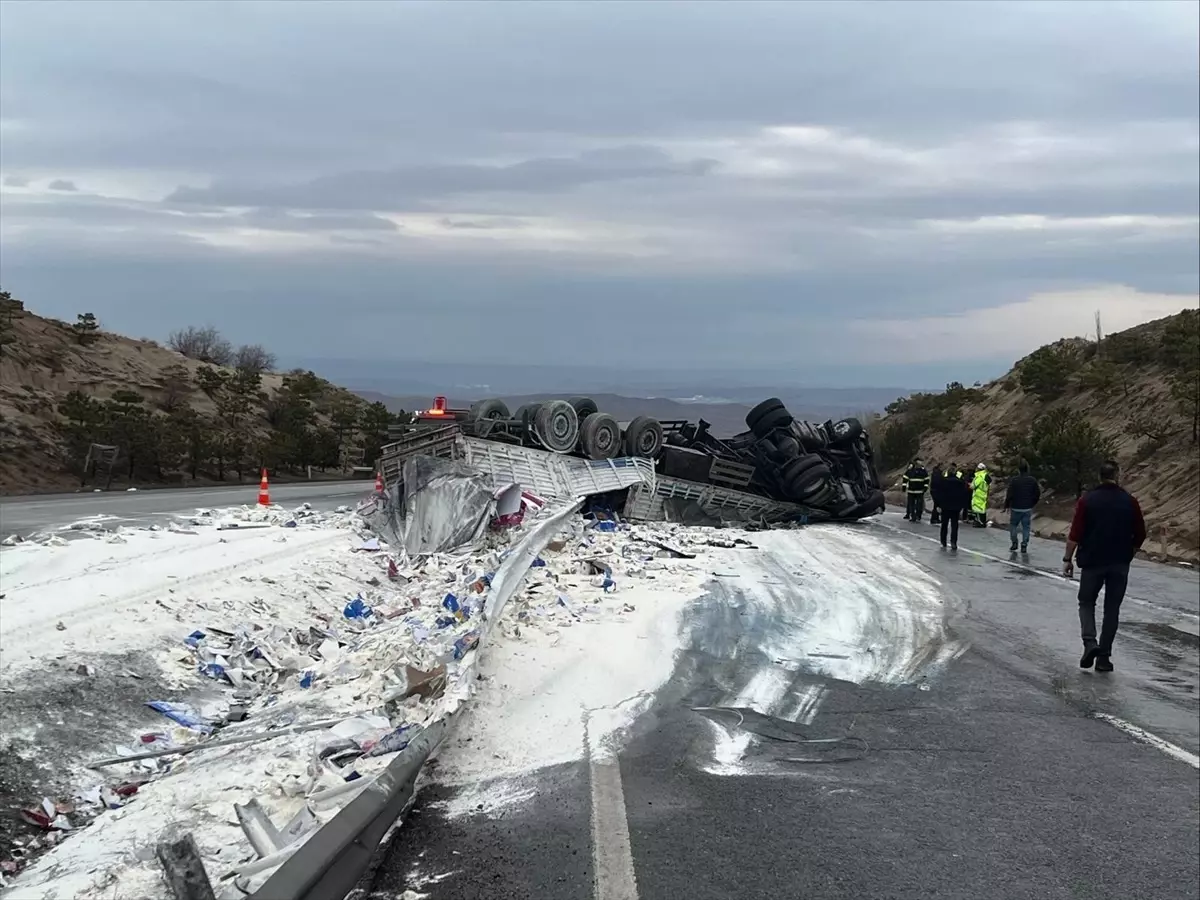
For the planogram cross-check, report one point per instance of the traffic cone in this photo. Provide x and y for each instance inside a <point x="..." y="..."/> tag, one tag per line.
<point x="379" y="482"/>
<point x="264" y="491"/>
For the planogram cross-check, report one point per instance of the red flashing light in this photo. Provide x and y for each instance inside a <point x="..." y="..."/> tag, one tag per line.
<point x="439" y="407"/>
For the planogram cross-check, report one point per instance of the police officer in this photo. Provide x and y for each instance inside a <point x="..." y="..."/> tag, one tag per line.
<point x="979" y="495"/>
<point x="916" y="481"/>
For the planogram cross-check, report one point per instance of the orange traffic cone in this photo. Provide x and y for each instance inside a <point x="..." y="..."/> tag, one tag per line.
<point x="264" y="491"/>
<point x="379" y="482"/>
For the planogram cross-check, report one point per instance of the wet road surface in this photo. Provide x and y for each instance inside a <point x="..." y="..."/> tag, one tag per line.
<point x="975" y="761"/>
<point x="26" y="515"/>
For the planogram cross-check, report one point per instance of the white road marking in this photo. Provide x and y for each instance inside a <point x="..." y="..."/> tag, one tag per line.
<point x="1027" y="568"/>
<point x="612" y="856"/>
<point x="1172" y="750"/>
<point x="1141" y="734"/>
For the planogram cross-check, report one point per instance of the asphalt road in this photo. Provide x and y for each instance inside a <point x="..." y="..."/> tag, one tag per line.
<point x="1008" y="773"/>
<point x="26" y="515"/>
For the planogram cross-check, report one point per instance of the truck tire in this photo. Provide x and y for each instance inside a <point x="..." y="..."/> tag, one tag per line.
<point x="755" y="414"/>
<point x="584" y="406"/>
<point x="787" y="445"/>
<point x="600" y="436"/>
<point x="488" y="409"/>
<point x="556" y="426"/>
<point x="773" y="421"/>
<point x="846" y="430"/>
<point x="809" y="481"/>
<point x="526" y="409"/>
<point x="644" y="437"/>
<point x="793" y="468"/>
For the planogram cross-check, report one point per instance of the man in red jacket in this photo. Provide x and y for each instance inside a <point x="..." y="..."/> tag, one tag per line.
<point x="1107" y="530"/>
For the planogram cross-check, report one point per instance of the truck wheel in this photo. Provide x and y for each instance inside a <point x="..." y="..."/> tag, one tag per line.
<point x="644" y="437"/>
<point x="557" y="426"/>
<point x="787" y="445"/>
<point x="846" y="430"/>
<point x="601" y="436"/>
<point x="488" y="409"/>
<point x="584" y="406"/>
<point x="755" y="414"/>
<point x="793" y="468"/>
<point x="773" y="421"/>
<point x="809" y="482"/>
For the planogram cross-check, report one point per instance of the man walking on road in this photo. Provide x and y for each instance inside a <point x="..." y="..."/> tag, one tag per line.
<point x="1107" y="531"/>
<point x="1023" y="495"/>
<point x="916" y="480"/>
<point x="952" y="495"/>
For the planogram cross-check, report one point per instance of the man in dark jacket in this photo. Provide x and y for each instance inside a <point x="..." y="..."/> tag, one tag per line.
<point x="916" y="481"/>
<point x="954" y="495"/>
<point x="1107" y="530"/>
<point x="936" y="477"/>
<point x="1023" y="495"/>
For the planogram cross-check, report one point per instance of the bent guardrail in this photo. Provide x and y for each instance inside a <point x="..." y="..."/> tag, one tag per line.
<point x="337" y="855"/>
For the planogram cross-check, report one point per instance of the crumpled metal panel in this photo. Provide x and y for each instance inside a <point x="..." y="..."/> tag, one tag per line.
<point x="552" y="475"/>
<point x="646" y="502"/>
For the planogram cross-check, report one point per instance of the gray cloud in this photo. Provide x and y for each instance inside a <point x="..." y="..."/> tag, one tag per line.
<point x="61" y="184"/>
<point x="780" y="168"/>
<point x="407" y="186"/>
<point x="282" y="220"/>
<point x="489" y="224"/>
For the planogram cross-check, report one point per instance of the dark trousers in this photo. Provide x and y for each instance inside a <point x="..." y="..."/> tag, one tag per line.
<point x="1113" y="579"/>
<point x="950" y="521"/>
<point x="916" y="506"/>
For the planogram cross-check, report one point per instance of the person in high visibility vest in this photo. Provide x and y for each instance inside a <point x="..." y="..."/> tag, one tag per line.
<point x="916" y="481"/>
<point x="979" y="496"/>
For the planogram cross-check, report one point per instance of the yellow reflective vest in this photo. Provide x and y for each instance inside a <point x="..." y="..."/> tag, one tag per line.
<point x="979" y="491"/>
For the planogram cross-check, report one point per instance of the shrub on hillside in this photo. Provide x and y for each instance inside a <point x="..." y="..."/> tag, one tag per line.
<point x="254" y="358"/>
<point x="901" y="441"/>
<point x="934" y="412"/>
<point x="1128" y="348"/>
<point x="203" y="344"/>
<point x="1064" y="448"/>
<point x="1046" y="371"/>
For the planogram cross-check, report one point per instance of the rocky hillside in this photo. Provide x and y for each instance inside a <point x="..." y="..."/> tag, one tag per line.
<point x="173" y="420"/>
<point x="1134" y="396"/>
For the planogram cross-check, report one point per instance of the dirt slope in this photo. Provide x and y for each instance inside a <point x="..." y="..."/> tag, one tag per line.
<point x="1124" y="391"/>
<point x="41" y="361"/>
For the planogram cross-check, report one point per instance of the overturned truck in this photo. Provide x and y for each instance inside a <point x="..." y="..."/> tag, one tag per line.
<point x="779" y="469"/>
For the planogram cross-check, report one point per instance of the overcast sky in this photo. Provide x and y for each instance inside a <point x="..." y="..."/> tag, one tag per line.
<point x="887" y="190"/>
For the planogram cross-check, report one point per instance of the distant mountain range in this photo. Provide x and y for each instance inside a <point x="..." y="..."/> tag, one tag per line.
<point x="726" y="418"/>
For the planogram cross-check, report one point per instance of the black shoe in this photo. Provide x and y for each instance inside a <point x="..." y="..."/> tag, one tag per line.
<point x="953" y="546"/>
<point x="1025" y="549"/>
<point x="943" y="545"/>
<point x="1089" y="657"/>
<point x="1103" y="664"/>
<point x="1012" y="549"/>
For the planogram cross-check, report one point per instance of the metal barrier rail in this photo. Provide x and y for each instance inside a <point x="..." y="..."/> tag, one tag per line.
<point x="335" y="858"/>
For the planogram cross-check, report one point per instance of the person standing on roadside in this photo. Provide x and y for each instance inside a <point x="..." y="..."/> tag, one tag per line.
<point x="979" y="496"/>
<point x="954" y="495"/>
<point x="916" y="480"/>
<point x="1106" y="533"/>
<point x="936" y="477"/>
<point x="1023" y="495"/>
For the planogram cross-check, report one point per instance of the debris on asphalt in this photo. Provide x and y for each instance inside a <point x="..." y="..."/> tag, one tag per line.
<point x="359" y="651"/>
